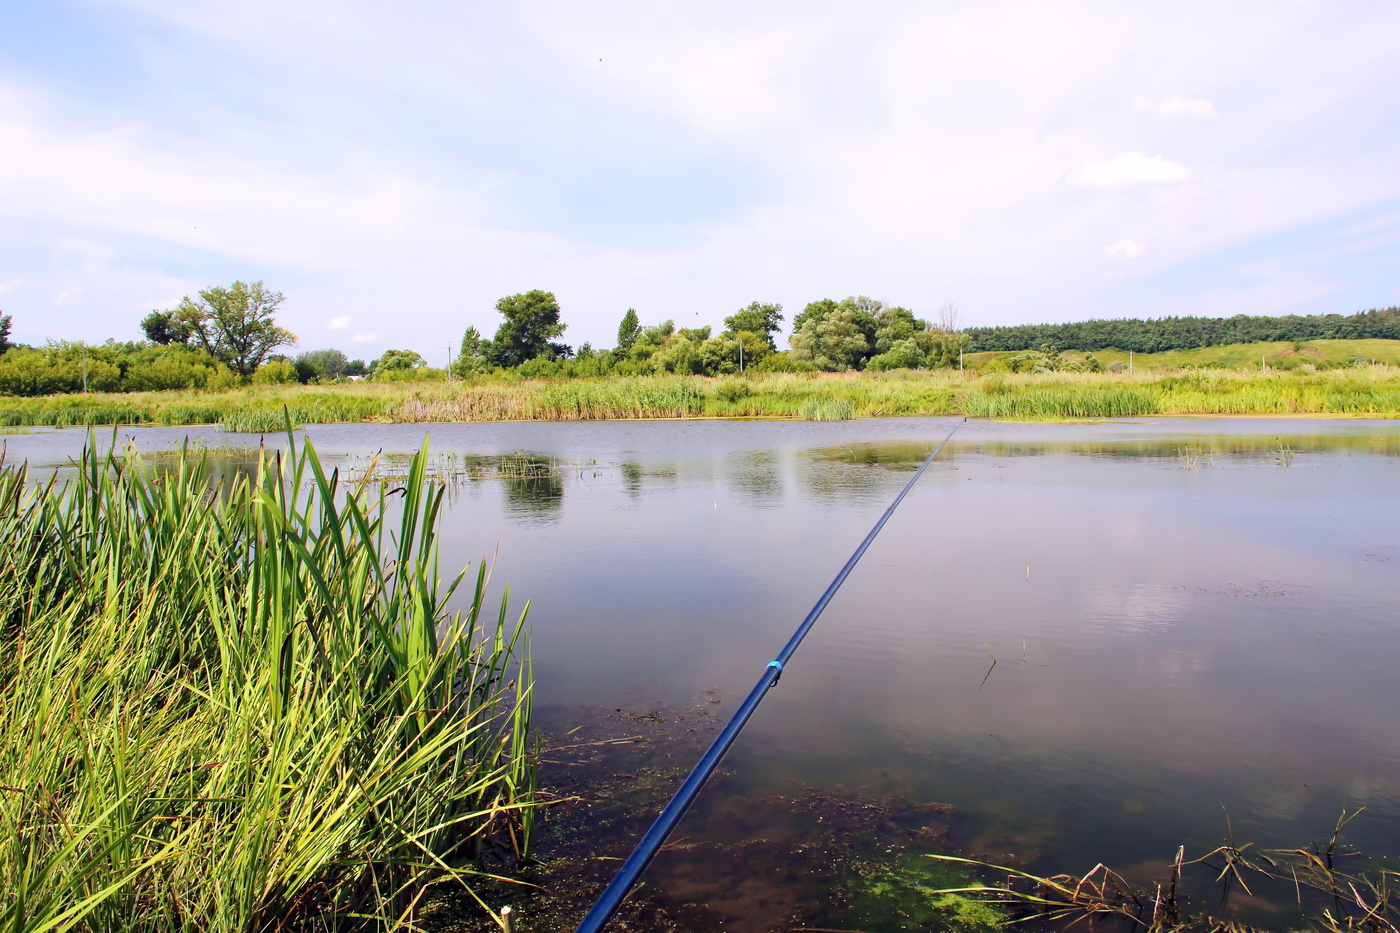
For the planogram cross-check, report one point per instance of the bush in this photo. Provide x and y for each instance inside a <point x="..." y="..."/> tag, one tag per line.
<point x="276" y="372"/>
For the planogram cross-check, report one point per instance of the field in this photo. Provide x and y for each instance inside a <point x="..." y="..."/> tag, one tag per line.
<point x="1369" y="390"/>
<point x="1287" y="355"/>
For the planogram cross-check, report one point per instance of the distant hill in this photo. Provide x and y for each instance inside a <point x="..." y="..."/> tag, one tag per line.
<point x="1188" y="333"/>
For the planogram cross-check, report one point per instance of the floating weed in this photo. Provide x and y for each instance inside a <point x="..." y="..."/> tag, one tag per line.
<point x="919" y="894"/>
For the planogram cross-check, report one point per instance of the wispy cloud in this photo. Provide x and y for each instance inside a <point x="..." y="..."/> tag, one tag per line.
<point x="11" y="284"/>
<point x="1124" y="249"/>
<point x="701" y="164"/>
<point x="1131" y="168"/>
<point x="1177" y="107"/>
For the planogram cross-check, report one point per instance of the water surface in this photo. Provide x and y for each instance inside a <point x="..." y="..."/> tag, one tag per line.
<point x="1191" y="619"/>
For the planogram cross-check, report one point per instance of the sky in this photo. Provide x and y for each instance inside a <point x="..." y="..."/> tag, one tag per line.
<point x="394" y="169"/>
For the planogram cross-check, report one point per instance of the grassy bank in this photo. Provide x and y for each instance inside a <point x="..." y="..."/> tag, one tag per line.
<point x="1284" y="354"/>
<point x="1356" y="391"/>
<point x="243" y="706"/>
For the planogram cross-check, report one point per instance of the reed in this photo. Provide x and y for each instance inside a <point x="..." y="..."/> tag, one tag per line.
<point x="1352" y="392"/>
<point x="245" y="707"/>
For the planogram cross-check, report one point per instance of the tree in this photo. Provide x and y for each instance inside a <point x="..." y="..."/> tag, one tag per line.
<point x="949" y="319"/>
<point x="320" y="364"/>
<point x="396" y="360"/>
<point x="758" y="318"/>
<point x="531" y="321"/>
<point x="469" y="354"/>
<point x="836" y="336"/>
<point x="628" y="330"/>
<point x="234" y="324"/>
<point x="4" y="332"/>
<point x="165" y="328"/>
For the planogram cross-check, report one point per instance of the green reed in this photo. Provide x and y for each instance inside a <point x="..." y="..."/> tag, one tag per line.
<point x="247" y="706"/>
<point x="1371" y="390"/>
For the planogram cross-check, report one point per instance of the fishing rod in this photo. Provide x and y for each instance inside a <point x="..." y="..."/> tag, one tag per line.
<point x="631" y="870"/>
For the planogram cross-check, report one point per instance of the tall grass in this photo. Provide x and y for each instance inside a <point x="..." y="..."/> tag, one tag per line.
<point x="1370" y="390"/>
<point x="246" y="708"/>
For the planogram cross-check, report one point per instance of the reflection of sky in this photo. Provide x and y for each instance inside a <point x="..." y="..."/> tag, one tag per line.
<point x="1187" y="638"/>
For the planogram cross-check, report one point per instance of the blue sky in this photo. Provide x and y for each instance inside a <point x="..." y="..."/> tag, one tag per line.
<point x="394" y="169"/>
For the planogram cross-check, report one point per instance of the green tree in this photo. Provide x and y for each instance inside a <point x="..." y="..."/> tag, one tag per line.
<point x="627" y="331"/>
<point x="165" y="328"/>
<point x="530" y="326"/>
<point x="4" y="332"/>
<point x="320" y="364"/>
<point x="234" y="324"/>
<point x="836" y="336"/>
<point x="396" y="361"/>
<point x="469" y="354"/>
<point x="758" y="318"/>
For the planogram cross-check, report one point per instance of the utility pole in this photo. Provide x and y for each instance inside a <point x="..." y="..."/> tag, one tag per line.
<point x="83" y="348"/>
<point x="741" y="354"/>
<point x="960" y="361"/>
<point x="1130" y="362"/>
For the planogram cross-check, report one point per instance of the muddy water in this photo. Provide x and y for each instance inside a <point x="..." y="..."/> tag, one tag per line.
<point x="1092" y="642"/>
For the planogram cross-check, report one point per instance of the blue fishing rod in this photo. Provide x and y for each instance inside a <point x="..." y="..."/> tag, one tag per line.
<point x="631" y="870"/>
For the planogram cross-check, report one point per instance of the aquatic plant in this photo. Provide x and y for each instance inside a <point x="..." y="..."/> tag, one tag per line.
<point x="245" y="707"/>
<point x="1330" y="898"/>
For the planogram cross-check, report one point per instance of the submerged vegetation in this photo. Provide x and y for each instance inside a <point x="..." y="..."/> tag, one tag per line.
<point x="1323" y="894"/>
<point x="244" y="705"/>
<point x="1367" y="390"/>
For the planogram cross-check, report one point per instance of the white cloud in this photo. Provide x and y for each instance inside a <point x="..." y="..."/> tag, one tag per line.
<point x="1124" y="249"/>
<point x="1177" y="107"/>
<point x="12" y="283"/>
<point x="1131" y="168"/>
<point x="933" y="166"/>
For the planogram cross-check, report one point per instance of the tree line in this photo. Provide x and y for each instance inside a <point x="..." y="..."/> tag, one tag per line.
<point x="228" y="336"/>
<point x="1187" y="333"/>
<point x="855" y="333"/>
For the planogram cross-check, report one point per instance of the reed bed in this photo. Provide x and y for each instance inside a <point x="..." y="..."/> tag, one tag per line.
<point x="1360" y="391"/>
<point x="245" y="707"/>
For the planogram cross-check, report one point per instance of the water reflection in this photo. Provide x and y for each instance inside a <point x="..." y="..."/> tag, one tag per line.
<point x="534" y="488"/>
<point x="1186" y="615"/>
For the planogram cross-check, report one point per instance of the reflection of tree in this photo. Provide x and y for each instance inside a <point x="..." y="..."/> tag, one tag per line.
<point x="756" y="478"/>
<point x="534" y="488"/>
<point x="632" y="478"/>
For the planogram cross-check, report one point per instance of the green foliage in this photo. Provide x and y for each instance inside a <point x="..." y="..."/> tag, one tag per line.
<point x="257" y="711"/>
<point x="5" y="324"/>
<point x="914" y="895"/>
<point x="530" y="327"/>
<point x="1181" y="333"/>
<point x="628" y="330"/>
<point x="395" y="366"/>
<point x="758" y="319"/>
<point x="828" y="409"/>
<point x="234" y="325"/>
<point x="470" y="359"/>
<point x="320" y="365"/>
<point x="731" y="390"/>
<point x="861" y="333"/>
<point x="165" y="328"/>
<point x="275" y="372"/>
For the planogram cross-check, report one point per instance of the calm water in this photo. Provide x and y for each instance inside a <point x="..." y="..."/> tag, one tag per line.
<point x="1189" y="618"/>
